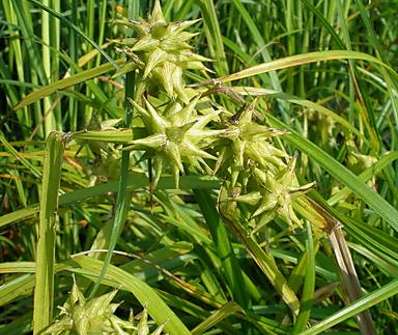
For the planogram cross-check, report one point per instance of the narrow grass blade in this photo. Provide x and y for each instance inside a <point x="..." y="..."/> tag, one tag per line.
<point x="213" y="34"/>
<point x="76" y="29"/>
<point x="307" y="58"/>
<point x="18" y="215"/>
<point x="18" y="157"/>
<point x="65" y="83"/>
<point x="15" y="288"/>
<point x="366" y="302"/>
<point x="135" y="181"/>
<point x="123" y="196"/>
<point x="44" y="291"/>
<point x="233" y="272"/>
<point x="216" y="317"/>
<point x="309" y="286"/>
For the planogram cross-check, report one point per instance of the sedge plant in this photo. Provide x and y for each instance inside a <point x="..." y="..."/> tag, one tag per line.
<point x="240" y="208"/>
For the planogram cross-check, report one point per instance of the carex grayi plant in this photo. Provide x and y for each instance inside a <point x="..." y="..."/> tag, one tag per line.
<point x="180" y="128"/>
<point x="187" y="131"/>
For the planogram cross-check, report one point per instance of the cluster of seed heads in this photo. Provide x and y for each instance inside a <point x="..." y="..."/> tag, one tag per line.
<point x="162" y="51"/>
<point x="187" y="131"/>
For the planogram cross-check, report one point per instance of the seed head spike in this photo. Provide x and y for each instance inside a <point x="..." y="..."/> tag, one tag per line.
<point x="157" y="13"/>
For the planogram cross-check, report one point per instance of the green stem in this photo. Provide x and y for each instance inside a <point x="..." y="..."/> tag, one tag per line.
<point x="44" y="290"/>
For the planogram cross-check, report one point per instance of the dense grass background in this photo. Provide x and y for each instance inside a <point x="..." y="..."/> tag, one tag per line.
<point x="344" y="119"/>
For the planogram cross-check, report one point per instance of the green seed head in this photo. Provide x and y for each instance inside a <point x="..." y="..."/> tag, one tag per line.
<point x="163" y="49"/>
<point x="179" y="138"/>
<point x="96" y="316"/>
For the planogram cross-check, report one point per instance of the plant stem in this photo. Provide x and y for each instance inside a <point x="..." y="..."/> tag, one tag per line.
<point x="44" y="290"/>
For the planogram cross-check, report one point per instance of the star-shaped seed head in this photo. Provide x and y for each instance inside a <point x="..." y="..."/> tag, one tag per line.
<point x="163" y="51"/>
<point x="95" y="316"/>
<point x="179" y="138"/>
<point x="271" y="195"/>
<point x="245" y="141"/>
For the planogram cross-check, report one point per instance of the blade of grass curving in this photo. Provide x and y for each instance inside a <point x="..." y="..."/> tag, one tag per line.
<point x="228" y="309"/>
<point x="65" y="83"/>
<point x="44" y="290"/>
<point x="134" y="181"/>
<point x="302" y="59"/>
<point x="366" y="302"/>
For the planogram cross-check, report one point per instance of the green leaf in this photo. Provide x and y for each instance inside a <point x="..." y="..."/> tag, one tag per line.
<point x="217" y="316"/>
<point x="367" y="301"/>
<point x="75" y="28"/>
<point x="134" y="181"/>
<point x="307" y="58"/>
<point x="231" y="268"/>
<point x="44" y="290"/>
<point x="65" y="83"/>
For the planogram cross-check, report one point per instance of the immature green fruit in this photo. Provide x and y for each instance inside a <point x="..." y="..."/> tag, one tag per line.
<point x="176" y="139"/>
<point x="96" y="316"/>
<point x="164" y="50"/>
<point x="245" y="140"/>
<point x="274" y="195"/>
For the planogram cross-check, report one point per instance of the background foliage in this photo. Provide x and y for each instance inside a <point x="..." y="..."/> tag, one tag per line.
<point x="176" y="256"/>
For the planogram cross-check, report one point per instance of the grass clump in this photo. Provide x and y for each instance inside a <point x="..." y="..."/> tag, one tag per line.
<point x="256" y="199"/>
